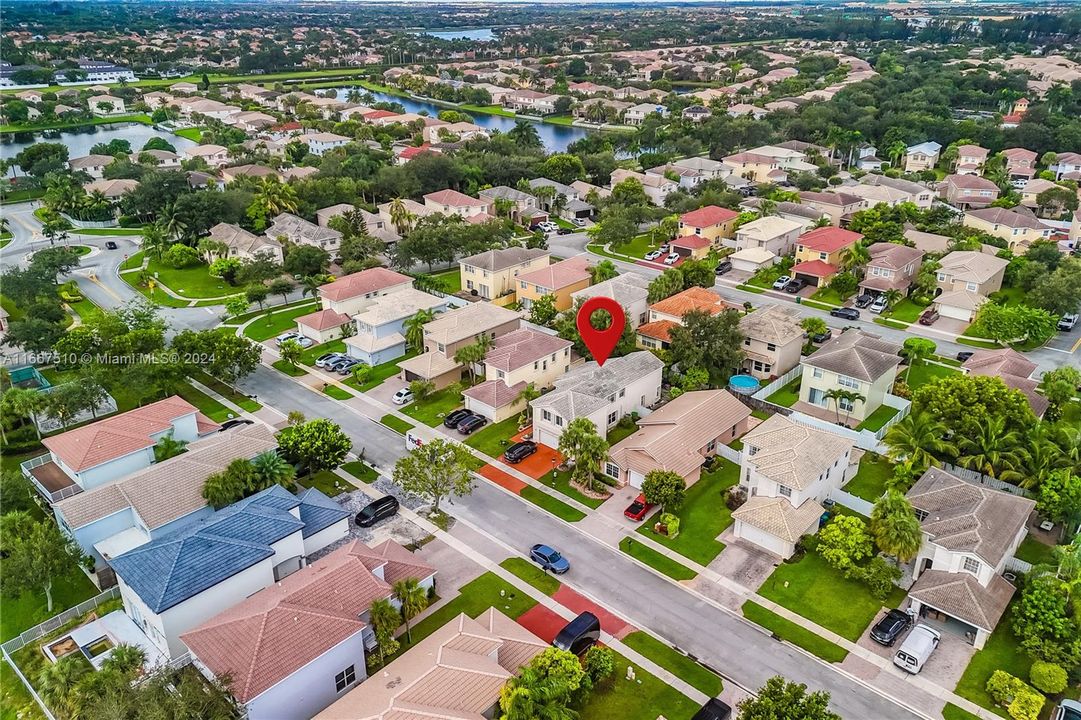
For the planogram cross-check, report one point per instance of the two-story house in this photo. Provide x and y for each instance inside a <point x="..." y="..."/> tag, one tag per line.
<point x="837" y="205"/>
<point x="516" y="360"/>
<point x="92" y="165"/>
<point x="452" y="202"/>
<point x="450" y="332"/>
<point x="965" y="280"/>
<point x="656" y="187"/>
<point x="524" y="208"/>
<point x="380" y="327"/>
<point x="299" y="231"/>
<point x="322" y="142"/>
<point x="1031" y="190"/>
<point x="668" y="313"/>
<point x="820" y="253"/>
<point x="787" y="469"/>
<point x="875" y="189"/>
<point x="854" y="361"/>
<point x="1020" y="165"/>
<point x="558" y="280"/>
<point x="892" y="267"/>
<point x="244" y="245"/>
<point x="347" y="296"/>
<point x="705" y="228"/>
<point x="214" y="155"/>
<point x="969" y="532"/>
<point x="922" y="157"/>
<point x="1017" y="226"/>
<point x="756" y="168"/>
<point x="678" y="437"/>
<point x="637" y="114"/>
<point x="107" y="450"/>
<point x="630" y="290"/>
<point x="493" y="274"/>
<point x="627" y="384"/>
<point x="774" y="234"/>
<point x="295" y="647"/>
<point x="970" y="160"/>
<point x="531" y="101"/>
<point x="180" y="580"/>
<point x="1013" y="369"/>
<point x="967" y="191"/>
<point x="1067" y="166"/>
<point x="772" y="340"/>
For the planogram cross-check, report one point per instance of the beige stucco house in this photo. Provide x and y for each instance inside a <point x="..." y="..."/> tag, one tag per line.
<point x="493" y="274"/>
<point x="772" y="339"/>
<point x="769" y="233"/>
<point x="516" y="360"/>
<point x="559" y="279"/>
<point x="1019" y="228"/>
<point x="854" y="361"/>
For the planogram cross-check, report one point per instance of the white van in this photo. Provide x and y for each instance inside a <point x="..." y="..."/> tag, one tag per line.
<point x="916" y="649"/>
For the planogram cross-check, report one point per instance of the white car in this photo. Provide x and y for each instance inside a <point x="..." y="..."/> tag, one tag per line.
<point x="287" y="336"/>
<point x="653" y="255"/>
<point x="579" y="222"/>
<point x="879" y="304"/>
<point x="672" y="258"/>
<point x="548" y="226"/>
<point x="304" y="342"/>
<point x="781" y="282"/>
<point x="403" y="396"/>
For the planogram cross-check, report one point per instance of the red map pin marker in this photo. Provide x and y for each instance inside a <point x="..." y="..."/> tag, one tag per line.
<point x="600" y="342"/>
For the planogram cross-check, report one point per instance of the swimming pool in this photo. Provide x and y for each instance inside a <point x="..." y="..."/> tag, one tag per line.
<point x="743" y="384"/>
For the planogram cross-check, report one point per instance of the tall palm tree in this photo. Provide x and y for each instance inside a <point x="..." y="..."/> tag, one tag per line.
<point x="172" y="223"/>
<point x="992" y="450"/>
<point x="918" y="439"/>
<point x="414" y="328"/>
<point x="385" y="620"/>
<point x="413" y="600"/>
<point x="915" y="353"/>
<point x="851" y="397"/>
<point x="400" y="217"/>
<point x="835" y="396"/>
<point x="276" y="196"/>
<point x="273" y="469"/>
<point x="855" y="256"/>
<point x="895" y="152"/>
<point x="528" y="395"/>
<point x="1042" y="455"/>
<point x="24" y="403"/>
<point x="895" y="526"/>
<point x="57" y="683"/>
<point x="604" y="270"/>
<point x="893" y="296"/>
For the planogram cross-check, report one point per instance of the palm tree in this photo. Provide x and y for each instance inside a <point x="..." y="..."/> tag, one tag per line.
<point x="354" y="96"/>
<point x="1042" y="455"/>
<point x="290" y="351"/>
<point x="918" y="439"/>
<point x="273" y="469"/>
<point x="413" y="599"/>
<point x="168" y="447"/>
<point x="57" y="682"/>
<point x="604" y="270"/>
<point x="385" y="620"/>
<point x="414" y="328"/>
<point x="276" y="196"/>
<point x="893" y="296"/>
<point x="24" y="402"/>
<point x="992" y="450"/>
<point x="125" y="659"/>
<point x="581" y="443"/>
<point x="915" y="353"/>
<point x="172" y="223"/>
<point x="855" y="256"/>
<point x="895" y="152"/>
<point x="895" y="526"/>
<point x="851" y="397"/>
<point x="400" y="217"/>
<point x="835" y="396"/>
<point x="528" y="395"/>
<point x="533" y="696"/>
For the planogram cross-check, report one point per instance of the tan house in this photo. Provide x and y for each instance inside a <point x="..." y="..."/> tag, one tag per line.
<point x="452" y="202"/>
<point x="678" y="437"/>
<point x="971" y="271"/>
<point x="517" y="359"/>
<point x="892" y="267"/>
<point x="214" y="155"/>
<point x="357" y="291"/>
<point x="768" y="233"/>
<point x="244" y="245"/>
<point x="668" y="313"/>
<point x="922" y="156"/>
<point x="1020" y="164"/>
<point x="450" y="332"/>
<point x="1032" y="189"/>
<point x="756" y="168"/>
<point x="772" y="340"/>
<point x="820" y="254"/>
<point x="524" y="208"/>
<point x="558" y="279"/>
<point x="92" y="165"/>
<point x="493" y="274"/>
<point x="711" y="223"/>
<point x="112" y="189"/>
<point x="836" y="205"/>
<point x="967" y="191"/>
<point x="1019" y="228"/>
<point x="656" y="187"/>
<point x="854" y="361"/>
<point x="875" y="189"/>
<point x="105" y="105"/>
<point x="970" y="160"/>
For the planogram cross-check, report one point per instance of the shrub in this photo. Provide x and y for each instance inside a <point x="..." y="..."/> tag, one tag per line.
<point x="600" y="663"/>
<point x="1048" y="677"/>
<point x="225" y="268"/>
<point x="1014" y="694"/>
<point x="180" y="256"/>
<point x="671" y="523"/>
<point x="128" y="221"/>
<point x="736" y="497"/>
<point x="879" y="576"/>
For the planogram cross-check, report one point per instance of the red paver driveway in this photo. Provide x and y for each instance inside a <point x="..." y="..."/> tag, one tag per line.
<point x="539" y="463"/>
<point x="611" y="624"/>
<point x="503" y="479"/>
<point x="542" y="622"/>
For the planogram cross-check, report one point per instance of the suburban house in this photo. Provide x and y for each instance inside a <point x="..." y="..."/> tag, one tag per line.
<point x="756" y="168"/>
<point x="558" y="279"/>
<point x="1032" y="189"/>
<point x="668" y="313"/>
<point x="456" y="672"/>
<point x="787" y="469"/>
<point x="805" y="215"/>
<point x="301" y="232"/>
<point x="875" y="189"/>
<point x="892" y="267"/>
<point x="1018" y="227"/>
<point x="867" y="158"/>
<point x="969" y="533"/>
<point x="837" y="205"/>
<point x="524" y="208"/>
<point x="678" y="437"/>
<point x="452" y="331"/>
<point x="380" y="327"/>
<point x="493" y="274"/>
<point x="820" y="254"/>
<point x="244" y="245"/>
<point x="105" y="105"/>
<point x="531" y="101"/>
<point x="656" y="187"/>
<point x="705" y="227"/>
<point x="772" y="341"/>
<point x="347" y="296"/>
<point x="92" y="165"/>
<point x="922" y="157"/>
<point x="1020" y="164"/>
<point x="514" y="361"/>
<point x="854" y="361"/>
<point x="573" y="207"/>
<point x="108" y="520"/>
<point x="256" y="172"/>
<point x="452" y="202"/>
<point x="107" y="450"/>
<point x="1013" y="369"/>
<point x="1067" y="166"/>
<point x="161" y="158"/>
<point x="696" y="113"/>
<point x="624" y="385"/>
<point x="636" y="114"/>
<point x="967" y="191"/>
<point x="768" y="233"/>
<point x="297" y="646"/>
<point x="970" y="160"/>
<point x="707" y="168"/>
<point x="965" y="279"/>
<point x="180" y="580"/>
<point x="630" y="290"/>
<point x="111" y="189"/>
<point x="320" y="143"/>
<point x="214" y="155"/>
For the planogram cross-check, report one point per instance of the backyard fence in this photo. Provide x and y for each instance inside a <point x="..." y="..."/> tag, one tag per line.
<point x="730" y="454"/>
<point x="1017" y="566"/>
<point x="980" y="479"/>
<point x="850" y="501"/>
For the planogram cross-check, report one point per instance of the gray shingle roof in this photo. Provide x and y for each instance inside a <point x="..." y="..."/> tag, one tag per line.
<point x="585" y="389"/>
<point x="856" y="354"/>
<point x="501" y="259"/>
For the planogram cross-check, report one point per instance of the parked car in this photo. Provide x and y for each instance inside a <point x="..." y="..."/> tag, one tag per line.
<point x="1067" y="322"/>
<point x="780" y="282"/>
<point x="548" y="226"/>
<point x="456" y="416"/>
<point x="403" y="396"/>
<point x="1067" y="710"/>
<point x="564" y="231"/>
<point x="471" y="423"/>
<point x="285" y="337"/>
<point x="794" y="286"/>
<point x="336" y="365"/>
<point x="864" y="300"/>
<point x="879" y="304"/>
<point x="323" y="360"/>
<point x="580" y="634"/>
<point x="519" y="451"/>
<point x="235" y="422"/>
<point x="305" y="342"/>
<point x="549" y="559"/>
<point x="714" y="709"/>
<point x="723" y="266"/>
<point x="672" y="259"/>
<point x="111" y="245"/>
<point x="664" y="248"/>
<point x="653" y="254"/>
<point x="917" y="648"/>
<point x="928" y="317"/>
<point x="964" y="355"/>
<point x="888" y="629"/>
<point x="373" y="512"/>
<point x="347" y="367"/>
<point x="638" y="509"/>
<point x="846" y="313"/>
<point x="578" y="222"/>
<point x="819" y="338"/>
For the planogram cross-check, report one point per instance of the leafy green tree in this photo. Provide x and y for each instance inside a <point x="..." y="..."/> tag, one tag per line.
<point x="319" y="443"/>
<point x="844" y="542"/>
<point x="1045" y="623"/>
<point x="545" y="688"/>
<point x="916" y="351"/>
<point x="615" y="227"/>
<point x="563" y="168"/>
<point x="665" y="285"/>
<point x="599" y="663"/>
<point x="582" y="444"/>
<point x="779" y="698"/>
<point x="257" y="294"/>
<point x="543" y="310"/>
<point x="473" y="355"/>
<point x="413" y="600"/>
<point x="237" y="306"/>
<point x="711" y="342"/>
<point x="895" y="527"/>
<point x="385" y="619"/>
<point x="439" y="468"/>
<point x="281" y="286"/>
<point x="962" y="402"/>
<point x="1059" y="386"/>
<point x="664" y="488"/>
<point x="1060" y="497"/>
<point x="604" y="270"/>
<point x="18" y="493"/>
<point x="291" y="351"/>
<point x="237" y="480"/>
<point x="1015" y="323"/>
<point x="168" y="447"/>
<point x="306" y="260"/>
<point x="37" y="559"/>
<point x="272" y="469"/>
<point x="1048" y="677"/>
<point x="1059" y="291"/>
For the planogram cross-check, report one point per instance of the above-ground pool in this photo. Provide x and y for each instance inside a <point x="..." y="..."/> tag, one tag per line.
<point x="743" y="384"/>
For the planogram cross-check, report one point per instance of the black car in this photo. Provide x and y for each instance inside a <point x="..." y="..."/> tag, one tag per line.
<point x="864" y="300"/>
<point x="723" y="267"/>
<point x="846" y="313"/>
<point x="714" y="709"/>
<point x="471" y="423"/>
<point x="822" y="337"/>
<point x="453" y="418"/>
<point x="519" y="451"/>
<point x="564" y="231"/>
<point x="377" y="510"/>
<point x="888" y="629"/>
<point x="580" y="634"/>
<point x="235" y="422"/>
<point x="794" y="286"/>
<point x="964" y="355"/>
<point x="111" y="245"/>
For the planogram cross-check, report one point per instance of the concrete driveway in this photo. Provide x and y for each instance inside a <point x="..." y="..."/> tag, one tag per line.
<point x="384" y="392"/>
<point x="947" y="663"/>
<point x="743" y="562"/>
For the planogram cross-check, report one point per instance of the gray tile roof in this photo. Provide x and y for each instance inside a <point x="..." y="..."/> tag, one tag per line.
<point x="962" y="596"/>
<point x="793" y="454"/>
<point x="624" y="289"/>
<point x="496" y="260"/>
<point x="857" y="354"/>
<point x="587" y="388"/>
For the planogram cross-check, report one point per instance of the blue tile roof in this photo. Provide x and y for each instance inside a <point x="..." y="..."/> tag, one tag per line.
<point x="182" y="564"/>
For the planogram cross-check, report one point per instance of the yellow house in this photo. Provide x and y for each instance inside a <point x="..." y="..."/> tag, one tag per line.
<point x="820" y="253"/>
<point x="560" y="280"/>
<point x="756" y="168"/>
<point x="517" y="359"/>
<point x="709" y="222"/>
<point x="493" y="274"/>
<point x="1018" y="228"/>
<point x="855" y="362"/>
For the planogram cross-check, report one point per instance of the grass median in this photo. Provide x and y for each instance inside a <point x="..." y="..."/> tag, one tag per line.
<point x="661" y="563"/>
<point x="553" y="505"/>
<point x="675" y="662"/>
<point x="532" y="574"/>
<point x="787" y="630"/>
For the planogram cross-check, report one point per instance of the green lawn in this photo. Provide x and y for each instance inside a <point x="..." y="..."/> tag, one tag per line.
<point x="117" y="231"/>
<point x="15" y="701"/>
<point x="492" y="440"/>
<point x="661" y="563"/>
<point x="194" y="282"/>
<point x="290" y="370"/>
<point x="829" y="296"/>
<point x="337" y="393"/>
<point x="29" y="609"/>
<point x="870" y="480"/>
<point x="561" y="482"/>
<point x="237" y="398"/>
<point x="793" y="633"/>
<point x="638" y="247"/>
<point x="276" y="323"/>
<point x="451" y="279"/>
<point x="553" y="505"/>
<point x="952" y="712"/>
<point x="675" y="662"/>
<point x="132" y="263"/>
<point x="207" y="405"/>
<point x="61" y="124"/>
<point x="532" y="574"/>
<point x="396" y="423"/>
<point x="85" y="309"/>
<point x="906" y="311"/>
<point x="621" y="432"/>
<point x="818" y="592"/>
<point x="379" y="373"/>
<point x="874" y="422"/>
<point x="786" y="396"/>
<point x="361" y="471"/>
<point x="194" y="134"/>
<point x="1033" y="551"/>
<point x="329" y="483"/>
<point x="435" y="407"/>
<point x="309" y="356"/>
<point x="644" y="698"/>
<point x="924" y="372"/>
<point x="244" y="317"/>
<point x="1002" y="652"/>
<point x="703" y="517"/>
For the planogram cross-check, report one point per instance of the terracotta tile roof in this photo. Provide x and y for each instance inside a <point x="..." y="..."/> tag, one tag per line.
<point x="658" y="329"/>
<point x="836" y="198"/>
<point x="694" y="298"/>
<point x="962" y="596"/>
<point x="708" y="216"/>
<point x="117" y="436"/>
<point x="815" y="268"/>
<point x="559" y="275"/>
<point x="453" y="198"/>
<point x="495" y="393"/>
<point x="523" y="347"/>
<point x="691" y="242"/>
<point x="791" y="453"/>
<point x="970" y="182"/>
<point x="857" y="354"/>
<point x="777" y="517"/>
<point x="323" y="319"/>
<point x="828" y="239"/>
<point x="362" y="283"/>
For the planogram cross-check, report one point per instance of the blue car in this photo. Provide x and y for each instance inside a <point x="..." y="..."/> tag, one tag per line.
<point x="549" y="559"/>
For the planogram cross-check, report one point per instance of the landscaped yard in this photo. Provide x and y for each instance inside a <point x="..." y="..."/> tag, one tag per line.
<point x="830" y="296"/>
<point x="703" y="516"/>
<point x="337" y="393"/>
<point x="786" y="396"/>
<point x="451" y="280"/>
<point x="492" y="440"/>
<point x="309" y="356"/>
<point x="925" y="372"/>
<point x="675" y="662"/>
<point x="396" y="423"/>
<point x="379" y="374"/>
<point x="644" y="698"/>
<point x="290" y="370"/>
<point x="620" y="432"/>
<point x="1002" y="652"/>
<point x="29" y="609"/>
<point x="329" y="483"/>
<point x="239" y="399"/>
<point x="906" y="311"/>
<point x="874" y="422"/>
<point x="638" y="247"/>
<point x="276" y="323"/>
<point x="793" y="633"/>
<point x="361" y="471"/>
<point x="661" y="563"/>
<point x="1033" y="551"/>
<point x="818" y="592"/>
<point x="870" y="480"/>
<point x="435" y="407"/>
<point x="561" y="482"/>
<point x="15" y="701"/>
<point x="532" y="574"/>
<point x="207" y="405"/>
<point x="194" y="282"/>
<point x="553" y="505"/>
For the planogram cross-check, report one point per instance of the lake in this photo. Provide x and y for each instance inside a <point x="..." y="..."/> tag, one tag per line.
<point x="80" y="140"/>
<point x="556" y="138"/>
<point x="480" y="34"/>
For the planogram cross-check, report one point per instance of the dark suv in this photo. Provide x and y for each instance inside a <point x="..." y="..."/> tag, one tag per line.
<point x="846" y="313"/>
<point x="888" y="629"/>
<point x="519" y="451"/>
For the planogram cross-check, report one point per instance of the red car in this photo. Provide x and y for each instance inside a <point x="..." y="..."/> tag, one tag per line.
<point x="638" y="509"/>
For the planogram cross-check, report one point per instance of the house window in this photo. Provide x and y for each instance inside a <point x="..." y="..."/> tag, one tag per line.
<point x="822" y="256"/>
<point x="345" y="678"/>
<point x="611" y="470"/>
<point x="845" y="381"/>
<point x="468" y="284"/>
<point x="711" y="446"/>
<point x="559" y="421"/>
<point x="499" y="374"/>
<point x="941" y="277"/>
<point x="972" y="565"/>
<point x="817" y="372"/>
<point x="547" y="415"/>
<point x="972" y="287"/>
<point x="747" y="342"/>
<point x="441" y="347"/>
<point x="784" y="490"/>
<point x="623" y="392"/>
<point x="751" y="449"/>
<point x="771" y="347"/>
<point x="921" y="515"/>
<point x="845" y="404"/>
<point x="612" y="417"/>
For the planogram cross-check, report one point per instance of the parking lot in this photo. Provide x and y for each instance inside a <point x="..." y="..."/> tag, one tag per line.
<point x="1066" y="341"/>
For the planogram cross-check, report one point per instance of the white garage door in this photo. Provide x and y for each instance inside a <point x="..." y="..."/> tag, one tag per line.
<point x="546" y="437"/>
<point x="763" y="539"/>
<point x="955" y="312"/>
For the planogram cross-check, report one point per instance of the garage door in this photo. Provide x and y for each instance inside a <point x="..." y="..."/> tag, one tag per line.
<point x="955" y="312"/>
<point x="546" y="437"/>
<point x="763" y="539"/>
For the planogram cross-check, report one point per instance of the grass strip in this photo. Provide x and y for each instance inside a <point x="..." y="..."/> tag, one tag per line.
<point x="553" y="505"/>
<point x="290" y="370"/>
<point x="532" y="574"/>
<point x="397" y="424"/>
<point x="675" y="662"/>
<point x="661" y="563"/>
<point x="337" y="393"/>
<point x="361" y="471"/>
<point x="787" y="630"/>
